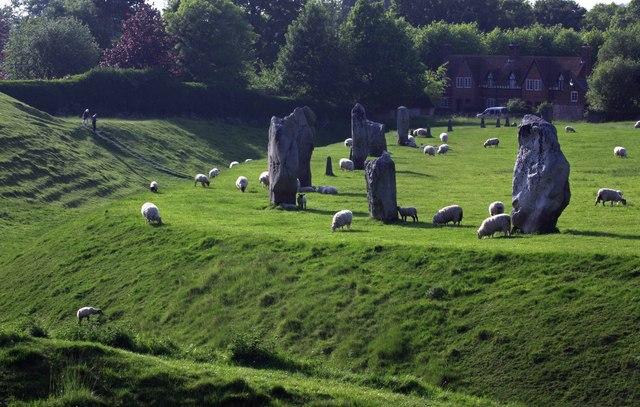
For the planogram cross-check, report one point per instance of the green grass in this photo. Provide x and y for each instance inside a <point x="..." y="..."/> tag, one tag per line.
<point x="537" y="319"/>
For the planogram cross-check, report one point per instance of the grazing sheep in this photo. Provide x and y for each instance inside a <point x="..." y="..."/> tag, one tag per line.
<point x="151" y="213"/>
<point x="569" y="129"/>
<point x="302" y="201"/>
<point x="327" y="190"/>
<point x="348" y="142"/>
<point x="153" y="186"/>
<point x="346" y="164"/>
<point x="342" y="218"/>
<point x="408" y="211"/>
<point x="263" y="179"/>
<point x="214" y="173"/>
<point x="307" y="189"/>
<point x="637" y="125"/>
<point x="248" y="160"/>
<point x="612" y="195"/>
<point x="411" y="141"/>
<point x="444" y="137"/>
<point x="241" y="183"/>
<point x="201" y="178"/>
<point x="491" y="142"/>
<point x="233" y="164"/>
<point x="451" y="213"/>
<point x="86" y="312"/>
<point x="496" y="208"/>
<point x="429" y="150"/>
<point x="419" y="132"/>
<point x="443" y="149"/>
<point x="493" y="224"/>
<point x="620" y="152"/>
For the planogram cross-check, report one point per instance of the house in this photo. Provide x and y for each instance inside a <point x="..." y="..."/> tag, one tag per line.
<point x="481" y="81"/>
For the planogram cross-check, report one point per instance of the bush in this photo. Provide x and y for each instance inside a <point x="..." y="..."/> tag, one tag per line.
<point x="518" y="106"/>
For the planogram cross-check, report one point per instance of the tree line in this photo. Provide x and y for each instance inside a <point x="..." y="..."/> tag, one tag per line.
<point x="381" y="54"/>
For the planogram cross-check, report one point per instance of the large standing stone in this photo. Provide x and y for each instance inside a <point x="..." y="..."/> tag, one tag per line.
<point x="359" y="128"/>
<point x="403" y="118"/>
<point x="376" y="141"/>
<point x="380" y="175"/>
<point x="306" y="121"/>
<point x="283" y="160"/>
<point x="540" y="178"/>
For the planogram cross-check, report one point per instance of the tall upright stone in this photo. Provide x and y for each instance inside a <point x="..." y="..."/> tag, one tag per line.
<point x="428" y="132"/>
<point x="376" y="141"/>
<point x="482" y="125"/>
<point x="283" y="160"/>
<point x="359" y="130"/>
<point x="306" y="121"/>
<point x="402" y="118"/>
<point x="450" y="125"/>
<point x="380" y="175"/>
<point x="540" y="178"/>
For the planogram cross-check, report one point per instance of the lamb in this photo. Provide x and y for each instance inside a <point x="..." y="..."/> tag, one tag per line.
<point x="491" y="142"/>
<point x="346" y="164"/>
<point x="302" y="201"/>
<point x="429" y="150"/>
<point x="493" y="224"/>
<point x="327" y="190"/>
<point x="606" y="194"/>
<point x="342" y="218"/>
<point x="214" y="173"/>
<point x="411" y="142"/>
<point x="408" y="211"/>
<point x="620" y="152"/>
<point x="496" y="208"/>
<point x="444" y="137"/>
<point x="151" y="213"/>
<point x="569" y="129"/>
<point x="241" y="183"/>
<point x="419" y="132"/>
<point x="263" y="179"/>
<point x="233" y="164"/>
<point x="86" y="312"/>
<point x="348" y="142"/>
<point x="153" y="186"/>
<point x="201" y="178"/>
<point x="451" y="213"/>
<point x="443" y="149"/>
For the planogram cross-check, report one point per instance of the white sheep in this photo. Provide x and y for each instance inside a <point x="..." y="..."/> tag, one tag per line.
<point x="248" y="160"/>
<point x="429" y="150"/>
<point x="620" y="152"/>
<point x="346" y="164"/>
<point x="493" y="224"/>
<point x="444" y="137"/>
<point x="214" y="173"/>
<point x="307" y="189"/>
<point x="496" y="208"/>
<point x="263" y="179"/>
<point x="411" y="141"/>
<point x="348" y="142"/>
<point x="451" y="213"/>
<point x="612" y="195"/>
<point x="443" y="149"/>
<point x="419" y="132"/>
<point x="329" y="190"/>
<point x="637" y="125"/>
<point x="201" y="178"/>
<point x="302" y="201"/>
<point x="408" y="211"/>
<point x="153" y="186"/>
<point x="241" y="183"/>
<point x="569" y="129"/>
<point x="342" y="218"/>
<point x="233" y="164"/>
<point x="491" y="142"/>
<point x="151" y="213"/>
<point x="86" y="312"/>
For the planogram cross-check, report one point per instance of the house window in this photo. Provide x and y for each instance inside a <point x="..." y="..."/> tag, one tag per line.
<point x="574" y="96"/>
<point x="445" y="102"/>
<point x="561" y="82"/>
<point x="467" y="82"/>
<point x="488" y="81"/>
<point x="533" y="84"/>
<point x="512" y="81"/>
<point x="463" y="82"/>
<point x="491" y="102"/>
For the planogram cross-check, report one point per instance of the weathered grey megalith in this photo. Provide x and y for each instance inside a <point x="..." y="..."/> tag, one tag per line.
<point x="306" y="121"/>
<point x="376" y="141"/>
<point x="540" y="178"/>
<point x="403" y="118"/>
<point x="360" y="147"/>
<point x="283" y="160"/>
<point x="380" y="175"/>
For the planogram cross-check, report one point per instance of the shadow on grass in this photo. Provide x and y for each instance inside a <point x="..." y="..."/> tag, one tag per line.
<point x="600" y="234"/>
<point x="333" y="212"/>
<point x="420" y="174"/>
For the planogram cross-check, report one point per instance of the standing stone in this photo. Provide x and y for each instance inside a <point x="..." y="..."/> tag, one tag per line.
<point x="306" y="121"/>
<point x="359" y="128"/>
<point x="540" y="178"/>
<point x="376" y="141"/>
<point x="429" y="132"/>
<point x="506" y="122"/>
<point x="380" y="175"/>
<point x="482" y="125"/>
<point x="498" y="122"/>
<point x="283" y="160"/>
<point x="449" y="125"/>
<point x="402" y="118"/>
<point x="329" y="169"/>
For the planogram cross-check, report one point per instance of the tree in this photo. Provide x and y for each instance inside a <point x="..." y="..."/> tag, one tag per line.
<point x="214" y="40"/>
<point x="614" y="88"/>
<point x="419" y="13"/>
<point x="461" y="38"/>
<point x="600" y="16"/>
<point x="436" y="83"/>
<point x="535" y="40"/>
<point x="567" y="13"/>
<point x="513" y="13"/>
<point x="144" y="43"/>
<point x="44" y="48"/>
<point x="623" y="43"/>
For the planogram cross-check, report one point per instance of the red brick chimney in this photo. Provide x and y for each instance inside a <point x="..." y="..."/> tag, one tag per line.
<point x="514" y="51"/>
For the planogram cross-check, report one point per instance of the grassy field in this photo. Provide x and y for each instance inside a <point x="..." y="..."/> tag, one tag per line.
<point x="535" y="319"/>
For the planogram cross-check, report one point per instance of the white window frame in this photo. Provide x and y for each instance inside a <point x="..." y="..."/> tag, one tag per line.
<point x="489" y="83"/>
<point x="512" y="81"/>
<point x="561" y="82"/>
<point x="459" y="82"/>
<point x="533" y="85"/>
<point x="574" y="96"/>
<point x="467" y="82"/>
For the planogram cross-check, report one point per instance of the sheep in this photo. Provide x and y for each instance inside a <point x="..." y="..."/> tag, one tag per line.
<point x="302" y="201"/>
<point x="411" y="142"/>
<point x="263" y="179"/>
<point x="606" y="194"/>
<point x="620" y="152"/>
<point x="214" y="173"/>
<point x="491" y="142"/>
<point x="307" y="189"/>
<point x="151" y="213"/>
<point x="241" y="183"/>
<point x="443" y="149"/>
<point x="637" y="125"/>
<point x="419" y="132"/>
<point x="153" y="186"/>
<point x="444" y="137"/>
<point x="493" y="224"/>
<point x="348" y="142"/>
<point x="201" y="178"/>
<point x="248" y="160"/>
<point x="86" y="312"/>
<point x="233" y="164"/>
<point x="451" y="213"/>
<point x="496" y="208"/>
<point x="408" y="211"/>
<point x="429" y="150"/>
<point x="569" y="129"/>
<point x="346" y="164"/>
<point x="342" y="218"/>
<point x="327" y="190"/>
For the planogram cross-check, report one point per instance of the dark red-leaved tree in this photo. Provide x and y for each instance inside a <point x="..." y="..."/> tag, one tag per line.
<point x="144" y="43"/>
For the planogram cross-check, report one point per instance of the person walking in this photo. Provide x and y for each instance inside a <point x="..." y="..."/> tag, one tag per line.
<point x="85" y="118"/>
<point x="93" y="121"/>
